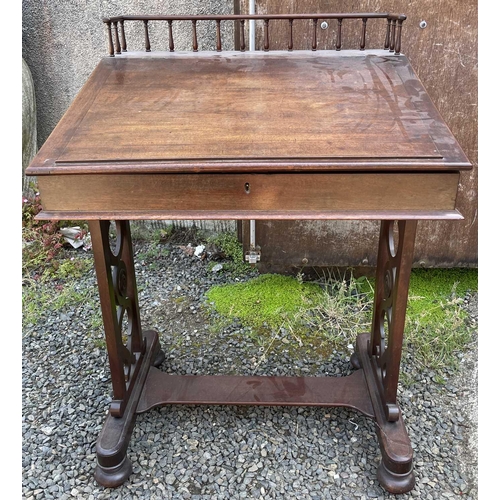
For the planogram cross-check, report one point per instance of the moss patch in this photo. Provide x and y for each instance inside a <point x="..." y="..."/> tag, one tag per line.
<point x="267" y="300"/>
<point x="430" y="287"/>
<point x="332" y="315"/>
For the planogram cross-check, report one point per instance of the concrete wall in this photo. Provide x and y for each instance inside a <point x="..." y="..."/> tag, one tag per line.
<point x="64" y="40"/>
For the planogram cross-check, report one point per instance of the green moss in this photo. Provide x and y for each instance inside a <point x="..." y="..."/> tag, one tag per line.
<point x="266" y="300"/>
<point x="429" y="288"/>
<point x="332" y="315"/>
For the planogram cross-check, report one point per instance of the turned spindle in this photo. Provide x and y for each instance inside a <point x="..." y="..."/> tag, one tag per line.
<point x="315" y="35"/>
<point x="338" y="45"/>
<point x="266" y="35"/>
<point x="146" y="36"/>
<point x="242" y="35"/>
<point x="397" y="47"/>
<point x="170" y="36"/>
<point x="363" y="34"/>
<point x="117" y="38"/>
<point x="195" y="37"/>
<point x="219" y="42"/>
<point x="393" y="35"/>
<point x="111" y="47"/>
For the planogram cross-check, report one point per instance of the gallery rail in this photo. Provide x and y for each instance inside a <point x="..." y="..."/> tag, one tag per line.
<point x="118" y="41"/>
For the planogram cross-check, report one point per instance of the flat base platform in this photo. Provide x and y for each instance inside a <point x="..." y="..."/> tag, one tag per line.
<point x="163" y="389"/>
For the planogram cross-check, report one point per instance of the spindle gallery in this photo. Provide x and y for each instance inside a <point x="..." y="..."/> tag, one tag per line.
<point x="392" y="38"/>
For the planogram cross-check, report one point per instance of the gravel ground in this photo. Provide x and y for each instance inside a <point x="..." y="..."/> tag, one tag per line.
<point x="202" y="452"/>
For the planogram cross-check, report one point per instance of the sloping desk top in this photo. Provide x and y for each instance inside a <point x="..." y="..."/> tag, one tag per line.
<point x="180" y="121"/>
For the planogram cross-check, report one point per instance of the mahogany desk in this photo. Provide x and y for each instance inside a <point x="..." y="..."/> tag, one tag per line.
<point x="251" y="135"/>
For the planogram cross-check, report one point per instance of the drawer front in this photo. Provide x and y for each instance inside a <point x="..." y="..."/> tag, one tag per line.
<point x="316" y="195"/>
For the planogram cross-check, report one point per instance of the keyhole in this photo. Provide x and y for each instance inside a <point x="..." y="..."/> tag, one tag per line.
<point x="247" y="187"/>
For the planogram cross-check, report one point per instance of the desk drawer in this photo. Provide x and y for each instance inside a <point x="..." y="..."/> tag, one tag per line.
<point x="246" y="196"/>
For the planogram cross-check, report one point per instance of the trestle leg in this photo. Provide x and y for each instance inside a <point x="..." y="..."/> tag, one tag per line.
<point x="380" y="353"/>
<point x="137" y="387"/>
<point x="131" y="351"/>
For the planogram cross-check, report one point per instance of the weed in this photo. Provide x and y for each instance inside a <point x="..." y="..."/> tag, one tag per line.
<point x="163" y="235"/>
<point x="46" y="276"/>
<point x="151" y="253"/>
<point x="436" y="321"/>
<point x="345" y="310"/>
<point x="230" y="249"/>
<point x="96" y="320"/>
<point x="42" y="241"/>
<point x="38" y="298"/>
<point x="100" y="343"/>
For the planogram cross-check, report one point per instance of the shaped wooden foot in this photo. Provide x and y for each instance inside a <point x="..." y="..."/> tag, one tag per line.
<point x="113" y="466"/>
<point x="395" y="472"/>
<point x="393" y="482"/>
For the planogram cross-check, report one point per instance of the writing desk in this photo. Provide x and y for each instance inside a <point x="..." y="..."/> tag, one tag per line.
<point x="307" y="134"/>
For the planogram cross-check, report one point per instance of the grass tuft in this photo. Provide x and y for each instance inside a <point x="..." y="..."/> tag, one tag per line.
<point x="437" y="325"/>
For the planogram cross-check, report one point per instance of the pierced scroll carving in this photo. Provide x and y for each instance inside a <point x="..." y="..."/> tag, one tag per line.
<point x="393" y="276"/>
<point x="119" y="304"/>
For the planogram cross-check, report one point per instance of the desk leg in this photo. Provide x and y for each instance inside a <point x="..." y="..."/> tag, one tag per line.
<point x="380" y="356"/>
<point x="130" y="350"/>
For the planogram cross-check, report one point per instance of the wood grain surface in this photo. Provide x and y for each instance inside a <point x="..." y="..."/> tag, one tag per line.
<point x="191" y="109"/>
<point x="299" y="193"/>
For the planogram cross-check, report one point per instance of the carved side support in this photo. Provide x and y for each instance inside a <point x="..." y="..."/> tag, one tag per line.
<point x="395" y="256"/>
<point x="130" y="351"/>
<point x="119" y="306"/>
<point x="381" y="362"/>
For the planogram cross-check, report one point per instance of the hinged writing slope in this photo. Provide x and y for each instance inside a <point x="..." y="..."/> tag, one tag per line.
<point x="253" y="106"/>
